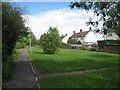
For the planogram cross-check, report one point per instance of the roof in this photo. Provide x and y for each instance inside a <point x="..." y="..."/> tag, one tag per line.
<point x="80" y="34"/>
<point x="61" y="37"/>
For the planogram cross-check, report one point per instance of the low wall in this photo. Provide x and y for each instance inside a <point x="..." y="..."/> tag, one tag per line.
<point x="110" y="49"/>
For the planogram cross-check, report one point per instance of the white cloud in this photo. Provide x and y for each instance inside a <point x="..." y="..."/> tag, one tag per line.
<point x="65" y="20"/>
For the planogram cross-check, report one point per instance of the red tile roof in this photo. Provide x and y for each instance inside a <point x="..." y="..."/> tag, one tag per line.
<point x="80" y="34"/>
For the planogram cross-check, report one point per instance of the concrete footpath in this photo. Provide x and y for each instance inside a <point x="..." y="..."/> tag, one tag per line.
<point x="23" y="76"/>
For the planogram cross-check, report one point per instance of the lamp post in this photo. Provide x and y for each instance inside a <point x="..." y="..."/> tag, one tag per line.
<point x="30" y="42"/>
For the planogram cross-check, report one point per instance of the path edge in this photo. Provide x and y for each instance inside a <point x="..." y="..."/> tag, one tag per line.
<point x="36" y="78"/>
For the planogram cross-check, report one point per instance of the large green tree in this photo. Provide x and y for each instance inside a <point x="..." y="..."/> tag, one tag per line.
<point x="50" y="41"/>
<point x="13" y="28"/>
<point x="109" y="13"/>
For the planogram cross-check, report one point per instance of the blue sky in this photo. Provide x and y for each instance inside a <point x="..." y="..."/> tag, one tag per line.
<point x="57" y="14"/>
<point x="36" y="7"/>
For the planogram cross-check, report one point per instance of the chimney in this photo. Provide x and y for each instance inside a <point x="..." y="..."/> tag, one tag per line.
<point x="62" y="34"/>
<point x="80" y="30"/>
<point x="66" y="34"/>
<point x="90" y="29"/>
<point x="73" y="32"/>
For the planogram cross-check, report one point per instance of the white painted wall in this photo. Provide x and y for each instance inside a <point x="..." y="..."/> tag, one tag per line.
<point x="91" y="37"/>
<point x="113" y="37"/>
<point x="81" y="40"/>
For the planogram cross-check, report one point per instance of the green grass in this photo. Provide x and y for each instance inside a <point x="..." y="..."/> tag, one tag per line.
<point x="99" y="79"/>
<point x="67" y="60"/>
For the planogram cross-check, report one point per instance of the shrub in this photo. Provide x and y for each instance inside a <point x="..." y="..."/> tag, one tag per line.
<point x="19" y="45"/>
<point x="83" y="48"/>
<point x="13" y="28"/>
<point x="78" y="42"/>
<point x="92" y="49"/>
<point x="101" y="44"/>
<point x="7" y="67"/>
<point x="112" y="42"/>
<point x="72" y="41"/>
<point x="74" y="47"/>
<point x="64" y="45"/>
<point x="50" y="41"/>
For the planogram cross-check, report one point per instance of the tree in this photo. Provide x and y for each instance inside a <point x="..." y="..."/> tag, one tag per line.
<point x="13" y="28"/>
<point x="72" y="41"/>
<point x="50" y="41"/>
<point x="108" y="11"/>
<point x="37" y="42"/>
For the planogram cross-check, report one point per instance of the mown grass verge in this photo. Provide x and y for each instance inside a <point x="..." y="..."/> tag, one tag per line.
<point x="99" y="79"/>
<point x="67" y="60"/>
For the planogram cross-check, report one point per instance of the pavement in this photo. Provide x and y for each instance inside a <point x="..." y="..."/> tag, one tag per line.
<point x="23" y="76"/>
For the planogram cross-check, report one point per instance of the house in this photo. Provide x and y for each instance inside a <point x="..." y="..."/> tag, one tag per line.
<point x="85" y="37"/>
<point x="111" y="35"/>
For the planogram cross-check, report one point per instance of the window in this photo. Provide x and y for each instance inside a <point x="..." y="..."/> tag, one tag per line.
<point x="110" y="34"/>
<point x="81" y="37"/>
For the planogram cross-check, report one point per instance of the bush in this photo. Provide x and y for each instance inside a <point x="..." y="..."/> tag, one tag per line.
<point x="101" y="44"/>
<point x="78" y="42"/>
<point x="83" y="49"/>
<point x="19" y="45"/>
<point x="64" y="45"/>
<point x="13" y="28"/>
<point x="7" y="67"/>
<point x="74" y="47"/>
<point x="112" y="42"/>
<point x="50" y="41"/>
<point x="92" y="49"/>
<point x="72" y="41"/>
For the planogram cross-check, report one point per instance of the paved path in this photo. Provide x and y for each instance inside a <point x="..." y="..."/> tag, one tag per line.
<point x="75" y="72"/>
<point x="23" y="76"/>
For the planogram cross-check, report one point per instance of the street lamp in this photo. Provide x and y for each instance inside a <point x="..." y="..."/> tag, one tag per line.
<point x="30" y="42"/>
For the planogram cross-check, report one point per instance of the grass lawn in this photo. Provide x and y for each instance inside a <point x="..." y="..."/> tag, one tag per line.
<point x="99" y="79"/>
<point x="67" y="60"/>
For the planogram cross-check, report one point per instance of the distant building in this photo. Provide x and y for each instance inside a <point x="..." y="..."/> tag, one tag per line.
<point x="85" y="37"/>
<point x="111" y="35"/>
<point x="61" y="37"/>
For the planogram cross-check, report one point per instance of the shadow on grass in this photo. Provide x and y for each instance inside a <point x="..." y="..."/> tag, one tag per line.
<point x="101" y="79"/>
<point x="43" y="53"/>
<point x="102" y="55"/>
<point x="39" y="52"/>
<point x="52" y="66"/>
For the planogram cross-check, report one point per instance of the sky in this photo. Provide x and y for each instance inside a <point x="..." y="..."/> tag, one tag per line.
<point x="42" y="15"/>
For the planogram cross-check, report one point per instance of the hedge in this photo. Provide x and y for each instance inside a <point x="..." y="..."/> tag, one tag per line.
<point x="102" y="43"/>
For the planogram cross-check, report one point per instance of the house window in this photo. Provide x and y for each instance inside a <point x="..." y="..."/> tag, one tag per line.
<point x="110" y="34"/>
<point x="81" y="38"/>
